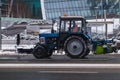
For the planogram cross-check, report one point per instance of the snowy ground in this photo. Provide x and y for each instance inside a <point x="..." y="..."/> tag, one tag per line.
<point x="11" y="49"/>
<point x="14" y="46"/>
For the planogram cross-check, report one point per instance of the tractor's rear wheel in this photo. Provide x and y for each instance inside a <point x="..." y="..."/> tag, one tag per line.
<point x="75" y="47"/>
<point x="86" y="53"/>
<point x="39" y="52"/>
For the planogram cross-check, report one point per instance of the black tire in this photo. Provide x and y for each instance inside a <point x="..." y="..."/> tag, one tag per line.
<point x="75" y="47"/>
<point x="39" y="52"/>
<point x="115" y="49"/>
<point x="87" y="53"/>
<point x="49" y="53"/>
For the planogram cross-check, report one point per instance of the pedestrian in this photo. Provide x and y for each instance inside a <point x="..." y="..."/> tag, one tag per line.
<point x="18" y="40"/>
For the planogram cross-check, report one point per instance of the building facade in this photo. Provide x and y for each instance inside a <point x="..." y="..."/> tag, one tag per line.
<point x="56" y="8"/>
<point x="22" y="9"/>
<point x="87" y="8"/>
<point x="52" y="9"/>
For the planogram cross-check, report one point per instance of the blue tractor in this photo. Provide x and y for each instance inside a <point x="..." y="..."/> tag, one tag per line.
<point x="70" y="37"/>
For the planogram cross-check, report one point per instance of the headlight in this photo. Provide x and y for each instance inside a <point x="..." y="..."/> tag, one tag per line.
<point x="42" y="40"/>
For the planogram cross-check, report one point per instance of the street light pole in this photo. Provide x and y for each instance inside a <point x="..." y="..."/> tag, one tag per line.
<point x="106" y="28"/>
<point x="96" y="12"/>
<point x="96" y="16"/>
<point x="0" y="27"/>
<point x="102" y="13"/>
<point x="119" y="12"/>
<point x="101" y="9"/>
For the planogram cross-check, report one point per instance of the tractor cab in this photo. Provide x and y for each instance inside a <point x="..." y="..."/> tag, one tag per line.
<point x="70" y="37"/>
<point x="72" y="24"/>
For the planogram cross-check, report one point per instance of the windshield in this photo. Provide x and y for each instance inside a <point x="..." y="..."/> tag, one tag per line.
<point x="71" y="26"/>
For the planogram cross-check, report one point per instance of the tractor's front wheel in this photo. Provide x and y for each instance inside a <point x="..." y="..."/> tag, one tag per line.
<point x="75" y="47"/>
<point x="49" y="53"/>
<point x="39" y="52"/>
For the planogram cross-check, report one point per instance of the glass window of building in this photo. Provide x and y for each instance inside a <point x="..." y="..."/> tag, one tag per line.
<point x="86" y="8"/>
<point x="54" y="8"/>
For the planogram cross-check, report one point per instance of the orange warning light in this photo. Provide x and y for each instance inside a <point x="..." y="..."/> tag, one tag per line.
<point x="65" y="14"/>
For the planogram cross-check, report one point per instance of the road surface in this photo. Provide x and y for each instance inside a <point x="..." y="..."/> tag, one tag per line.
<point x="60" y="67"/>
<point x="58" y="76"/>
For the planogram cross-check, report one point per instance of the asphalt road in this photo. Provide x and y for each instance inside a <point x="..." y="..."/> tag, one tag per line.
<point x="60" y="67"/>
<point x="58" y="76"/>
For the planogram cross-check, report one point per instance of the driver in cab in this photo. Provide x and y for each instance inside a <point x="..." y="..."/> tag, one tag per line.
<point x="75" y="27"/>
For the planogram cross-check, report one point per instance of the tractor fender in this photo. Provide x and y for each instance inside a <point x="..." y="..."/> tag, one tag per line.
<point x="85" y="37"/>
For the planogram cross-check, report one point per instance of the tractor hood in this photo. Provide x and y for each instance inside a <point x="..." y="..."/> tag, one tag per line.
<point x="49" y="35"/>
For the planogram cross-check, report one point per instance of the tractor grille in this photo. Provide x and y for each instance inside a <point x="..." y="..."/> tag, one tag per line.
<point x="50" y="40"/>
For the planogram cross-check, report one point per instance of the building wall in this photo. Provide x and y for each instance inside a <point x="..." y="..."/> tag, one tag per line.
<point x="22" y="9"/>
